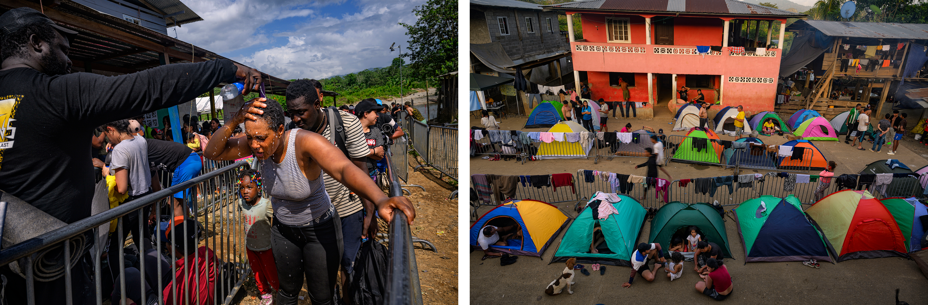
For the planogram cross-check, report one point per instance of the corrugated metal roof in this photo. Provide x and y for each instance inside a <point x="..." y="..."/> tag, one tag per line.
<point x="676" y="5"/>
<point x="726" y="7"/>
<point x="168" y="7"/>
<point x="875" y="30"/>
<point x="507" y="3"/>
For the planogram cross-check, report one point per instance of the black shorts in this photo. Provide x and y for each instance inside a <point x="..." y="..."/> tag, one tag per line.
<point x="643" y="268"/>
<point x="602" y="120"/>
<point x="710" y="292"/>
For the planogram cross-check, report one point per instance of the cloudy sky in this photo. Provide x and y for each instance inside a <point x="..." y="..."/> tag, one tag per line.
<point x="301" y="39"/>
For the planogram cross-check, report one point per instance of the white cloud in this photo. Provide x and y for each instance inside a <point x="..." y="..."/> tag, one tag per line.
<point x="319" y="46"/>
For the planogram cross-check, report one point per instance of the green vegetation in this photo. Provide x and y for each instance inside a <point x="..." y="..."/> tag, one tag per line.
<point x="382" y="83"/>
<point x="433" y="41"/>
<point x="901" y="11"/>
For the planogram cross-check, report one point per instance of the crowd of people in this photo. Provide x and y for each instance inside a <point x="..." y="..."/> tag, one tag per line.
<point x="307" y="206"/>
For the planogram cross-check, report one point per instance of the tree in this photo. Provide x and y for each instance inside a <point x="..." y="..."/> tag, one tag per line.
<point x="433" y="40"/>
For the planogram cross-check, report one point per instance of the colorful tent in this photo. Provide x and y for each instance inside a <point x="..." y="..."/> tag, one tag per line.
<point x="687" y="117"/>
<point x="811" y="157"/>
<point x="620" y="232"/>
<point x="793" y="118"/>
<point x="684" y="106"/>
<point x="595" y="106"/>
<point x="675" y="218"/>
<point x="701" y="146"/>
<point x="816" y="129"/>
<point x="857" y="225"/>
<point x="540" y="223"/>
<point x="900" y="186"/>
<point x="923" y="176"/>
<point x="727" y="113"/>
<point x="911" y="216"/>
<point x="564" y="150"/>
<point x="744" y="157"/>
<point x="757" y="121"/>
<point x="558" y="106"/>
<point x="776" y="230"/>
<point x="544" y="115"/>
<point x="804" y="116"/>
<point x="837" y="122"/>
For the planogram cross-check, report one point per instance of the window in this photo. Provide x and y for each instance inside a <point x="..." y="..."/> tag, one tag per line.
<point x="614" y="77"/>
<point x="131" y="19"/>
<point x="617" y="30"/>
<point x="550" y="26"/>
<point x="529" y="25"/>
<point x="699" y="81"/>
<point x="503" y="25"/>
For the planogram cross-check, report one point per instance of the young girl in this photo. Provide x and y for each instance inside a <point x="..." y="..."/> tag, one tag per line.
<point x="193" y="142"/>
<point x="674" y="269"/>
<point x="257" y="214"/>
<point x="489" y="122"/>
<point x="693" y="239"/>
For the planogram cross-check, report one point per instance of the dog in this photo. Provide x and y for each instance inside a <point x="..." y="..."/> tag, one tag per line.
<point x="566" y="278"/>
<point x="790" y="137"/>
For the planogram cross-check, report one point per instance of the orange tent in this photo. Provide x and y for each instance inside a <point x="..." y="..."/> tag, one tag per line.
<point x="812" y="157"/>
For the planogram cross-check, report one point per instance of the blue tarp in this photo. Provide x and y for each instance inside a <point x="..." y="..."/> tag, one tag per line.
<point x="910" y="96"/>
<point x="914" y="62"/>
<point x="474" y="101"/>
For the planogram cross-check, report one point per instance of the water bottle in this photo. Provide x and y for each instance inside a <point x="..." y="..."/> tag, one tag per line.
<point x="232" y="100"/>
<point x="232" y="91"/>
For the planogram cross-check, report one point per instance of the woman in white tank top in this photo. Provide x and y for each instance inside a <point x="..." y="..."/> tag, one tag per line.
<point x="306" y="233"/>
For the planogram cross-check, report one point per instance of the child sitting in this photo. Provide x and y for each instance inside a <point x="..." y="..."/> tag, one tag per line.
<point x="769" y="127"/>
<point x="674" y="268"/>
<point x="676" y="245"/>
<point x="257" y="213"/>
<point x="693" y="239"/>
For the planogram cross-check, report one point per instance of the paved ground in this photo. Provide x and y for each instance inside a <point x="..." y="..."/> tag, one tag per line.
<point x="852" y="282"/>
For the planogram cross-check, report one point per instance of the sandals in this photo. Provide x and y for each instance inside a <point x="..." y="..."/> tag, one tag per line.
<point x="811" y="264"/>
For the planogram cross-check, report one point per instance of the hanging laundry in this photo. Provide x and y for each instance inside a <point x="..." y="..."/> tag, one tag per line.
<point x="572" y="137"/>
<point x="703" y="185"/>
<point x="736" y="50"/>
<point x="700" y="144"/>
<point x="846" y="46"/>
<point x="547" y="137"/>
<point x="605" y="197"/>
<point x="702" y="50"/>
<point x="482" y="186"/>
<point x="722" y="181"/>
<point x="790" y="182"/>
<point x="504" y="186"/>
<point x="761" y="52"/>
<point x="785" y="151"/>
<point x="885" y="47"/>
<point x="588" y="176"/>
<point x="605" y="209"/>
<point x="746" y="180"/>
<point x="800" y="178"/>
<point x="540" y="181"/>
<point x="846" y="181"/>
<point x="625" y="187"/>
<point x="797" y="154"/>
<point x="865" y="181"/>
<point x="899" y="46"/>
<point x="496" y="136"/>
<point x="662" y="185"/>
<point x="594" y="208"/>
<point x="478" y="135"/>
<point x="601" y="135"/>
<point x="614" y="182"/>
<point x="684" y="182"/>
<point x="636" y="179"/>
<point x="636" y="138"/>
<point x="564" y="179"/>
<point x="525" y="180"/>
<point x="871" y="51"/>
<point x="535" y="136"/>
<point x="558" y="136"/>
<point x="624" y="137"/>
<point x="882" y="181"/>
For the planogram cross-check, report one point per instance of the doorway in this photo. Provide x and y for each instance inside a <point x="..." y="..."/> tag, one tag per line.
<point x="663" y="30"/>
<point x="664" y="93"/>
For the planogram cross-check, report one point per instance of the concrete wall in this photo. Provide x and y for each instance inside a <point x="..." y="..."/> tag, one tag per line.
<point x="594" y="28"/>
<point x="599" y="85"/>
<point x="709" y="93"/>
<point x="698" y="31"/>
<point x="520" y="44"/>
<point x="118" y="8"/>
<point x="479" y="32"/>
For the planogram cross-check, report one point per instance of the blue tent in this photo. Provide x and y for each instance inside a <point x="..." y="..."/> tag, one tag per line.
<point x="544" y="115"/>
<point x="539" y="222"/>
<point x="744" y="157"/>
<point x="777" y="230"/>
<point x="677" y="116"/>
<point x="808" y="114"/>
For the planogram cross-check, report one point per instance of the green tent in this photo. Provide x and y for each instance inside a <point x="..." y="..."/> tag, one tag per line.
<point x="557" y="105"/>
<point x="757" y="121"/>
<point x="620" y="232"/>
<point x="776" y="230"/>
<point x="675" y="218"/>
<point x="816" y="129"/>
<point x="688" y="151"/>
<point x="907" y="212"/>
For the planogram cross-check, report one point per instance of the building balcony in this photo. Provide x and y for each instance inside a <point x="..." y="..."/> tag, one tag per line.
<point x="673" y="59"/>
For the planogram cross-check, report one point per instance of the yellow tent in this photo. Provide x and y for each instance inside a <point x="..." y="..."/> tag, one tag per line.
<point x="565" y="150"/>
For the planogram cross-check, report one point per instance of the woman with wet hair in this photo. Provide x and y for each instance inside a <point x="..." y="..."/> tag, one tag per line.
<point x="306" y="232"/>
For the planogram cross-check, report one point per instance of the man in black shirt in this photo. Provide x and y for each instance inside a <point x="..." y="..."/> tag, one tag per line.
<point x="704" y="251"/>
<point x="54" y="111"/>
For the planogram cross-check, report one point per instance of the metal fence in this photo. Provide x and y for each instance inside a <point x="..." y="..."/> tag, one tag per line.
<point x="443" y="147"/>
<point x="610" y="146"/>
<point x="485" y="146"/>
<point x="419" y="135"/>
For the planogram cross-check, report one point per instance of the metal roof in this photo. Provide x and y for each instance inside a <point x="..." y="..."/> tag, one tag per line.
<point x="168" y="8"/>
<point x="700" y="7"/>
<point x="874" y="30"/>
<point x="507" y="3"/>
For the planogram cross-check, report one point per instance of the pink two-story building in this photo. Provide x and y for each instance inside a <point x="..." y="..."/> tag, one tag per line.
<point x="730" y="50"/>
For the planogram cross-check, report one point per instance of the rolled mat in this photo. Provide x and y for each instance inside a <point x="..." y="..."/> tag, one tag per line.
<point x="48" y="265"/>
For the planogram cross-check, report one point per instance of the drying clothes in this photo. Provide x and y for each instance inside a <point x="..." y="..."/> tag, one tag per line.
<point x="899" y="46"/>
<point x="885" y="47"/>
<point x="797" y="154"/>
<point x="594" y="207"/>
<point x="564" y="179"/>
<point x="871" y="51"/>
<point x="785" y="151"/>
<point x="813" y="178"/>
<point x="478" y="135"/>
<point x="739" y="145"/>
<point x="703" y="185"/>
<point x="661" y="187"/>
<point x="886" y="63"/>
<point x="610" y="138"/>
<point x="624" y="137"/>
<point x="700" y="144"/>
<point x="540" y="181"/>
<point x="790" y="182"/>
<point x="572" y="137"/>
<point x="534" y="136"/>
<point x="601" y="135"/>
<point x="684" y="182"/>
<point x="846" y="46"/>
<point x="761" y="52"/>
<point x="483" y="188"/>
<point x="636" y="138"/>
<point x="606" y="197"/>
<point x="524" y="138"/>
<point x="635" y="179"/>
<point x="525" y="180"/>
<point x="800" y="178"/>
<point x="588" y="176"/>
<point x="625" y="187"/>
<point x="605" y="209"/>
<point x="726" y="144"/>
<point x="547" y="137"/>
<point x="719" y="182"/>
<point x="746" y="180"/>
<point x="496" y="136"/>
<point x="702" y="49"/>
<point x="558" y="136"/>
<point x="504" y="187"/>
<point x="902" y="175"/>
<point x="846" y="181"/>
<point x="865" y="181"/>
<point x="736" y="50"/>
<point x="585" y="138"/>
<point x="882" y="180"/>
<point x="614" y="183"/>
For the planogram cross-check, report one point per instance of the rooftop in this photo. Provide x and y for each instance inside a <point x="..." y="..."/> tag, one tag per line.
<point x="507" y="4"/>
<point x="694" y="7"/>
<point x="874" y="30"/>
<point x="181" y="13"/>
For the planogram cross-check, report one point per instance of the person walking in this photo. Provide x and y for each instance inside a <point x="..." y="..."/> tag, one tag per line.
<point x="603" y="115"/>
<point x="863" y="121"/>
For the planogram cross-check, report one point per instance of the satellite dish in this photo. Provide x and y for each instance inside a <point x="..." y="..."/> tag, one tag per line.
<point x="848" y="9"/>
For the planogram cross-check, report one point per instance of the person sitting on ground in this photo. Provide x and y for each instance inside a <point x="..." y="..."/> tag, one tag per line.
<point x="704" y="251"/>
<point x="677" y="245"/>
<point x="717" y="285"/>
<point x="693" y="239"/>
<point x="489" y="122"/>
<point x="674" y="268"/>
<point x="489" y="237"/>
<point x="565" y="280"/>
<point x="598" y="238"/>
<point x="640" y="258"/>
<point x="769" y="127"/>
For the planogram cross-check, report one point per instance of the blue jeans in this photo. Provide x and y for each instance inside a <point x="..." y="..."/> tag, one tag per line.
<point x="612" y="105"/>
<point x="630" y="112"/>
<point x="878" y="141"/>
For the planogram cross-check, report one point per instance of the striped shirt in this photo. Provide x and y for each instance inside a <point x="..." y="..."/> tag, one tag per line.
<point x="346" y="203"/>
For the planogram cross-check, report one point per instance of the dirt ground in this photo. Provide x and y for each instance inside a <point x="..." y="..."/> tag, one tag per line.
<point x="436" y="221"/>
<point x="865" y="281"/>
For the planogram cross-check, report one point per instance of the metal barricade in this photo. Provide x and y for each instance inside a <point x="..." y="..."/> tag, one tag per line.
<point x="647" y="194"/>
<point x="784" y="184"/>
<point x="399" y="152"/>
<point x="420" y="138"/>
<point x="695" y="150"/>
<point x="487" y="147"/>
<point x="608" y="148"/>
<point x="443" y="148"/>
